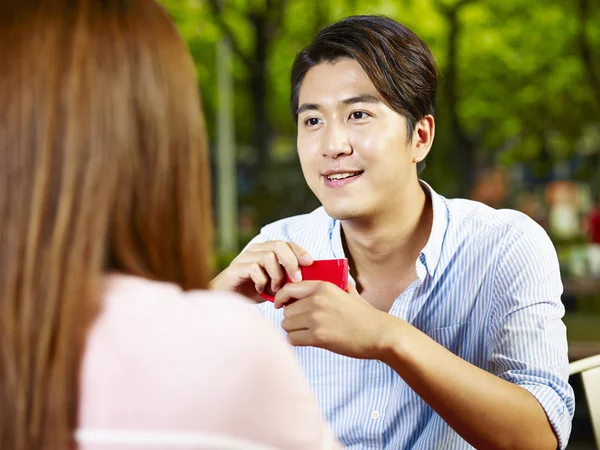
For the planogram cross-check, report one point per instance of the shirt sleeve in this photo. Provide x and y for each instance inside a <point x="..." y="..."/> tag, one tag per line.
<point x="527" y="342"/>
<point x="258" y="239"/>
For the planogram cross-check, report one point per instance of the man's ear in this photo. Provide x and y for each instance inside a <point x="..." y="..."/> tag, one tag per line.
<point x="423" y="135"/>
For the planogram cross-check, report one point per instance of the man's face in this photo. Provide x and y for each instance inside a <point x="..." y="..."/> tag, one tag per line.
<point x="353" y="147"/>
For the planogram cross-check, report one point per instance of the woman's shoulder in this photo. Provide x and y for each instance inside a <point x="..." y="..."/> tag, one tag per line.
<point x="161" y="358"/>
<point x="149" y="310"/>
<point x="134" y="289"/>
<point x="150" y="334"/>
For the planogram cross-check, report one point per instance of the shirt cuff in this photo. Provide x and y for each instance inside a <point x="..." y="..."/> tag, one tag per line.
<point x="556" y="410"/>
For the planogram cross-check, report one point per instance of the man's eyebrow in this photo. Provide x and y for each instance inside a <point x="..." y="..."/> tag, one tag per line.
<point x="364" y="98"/>
<point x="307" y="107"/>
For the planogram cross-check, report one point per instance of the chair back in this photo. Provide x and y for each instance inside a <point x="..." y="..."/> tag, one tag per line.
<point x="589" y="368"/>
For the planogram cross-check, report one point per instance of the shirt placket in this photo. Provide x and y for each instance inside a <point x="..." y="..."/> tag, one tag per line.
<point x="380" y="379"/>
<point x="375" y="414"/>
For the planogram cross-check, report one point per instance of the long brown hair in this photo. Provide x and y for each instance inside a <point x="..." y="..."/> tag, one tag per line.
<point x="103" y="167"/>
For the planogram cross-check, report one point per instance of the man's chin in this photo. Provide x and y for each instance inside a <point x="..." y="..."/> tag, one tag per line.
<point x="344" y="212"/>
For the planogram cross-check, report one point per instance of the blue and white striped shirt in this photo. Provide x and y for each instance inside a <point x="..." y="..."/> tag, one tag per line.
<point x="488" y="290"/>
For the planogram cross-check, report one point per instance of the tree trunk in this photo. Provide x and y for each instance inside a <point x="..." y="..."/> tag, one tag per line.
<point x="258" y="85"/>
<point x="462" y="148"/>
<point x="586" y="51"/>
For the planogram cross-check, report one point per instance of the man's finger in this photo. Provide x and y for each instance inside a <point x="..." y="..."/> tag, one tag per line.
<point x="297" y="322"/>
<point x="302" y="255"/>
<point x="294" y="308"/>
<point x="285" y="256"/>
<point x="351" y="288"/>
<point x="301" y="338"/>
<point x="273" y="269"/>
<point x="296" y="291"/>
<point x="256" y="273"/>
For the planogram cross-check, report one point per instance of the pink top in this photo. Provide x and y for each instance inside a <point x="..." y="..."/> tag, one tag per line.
<point x="201" y="370"/>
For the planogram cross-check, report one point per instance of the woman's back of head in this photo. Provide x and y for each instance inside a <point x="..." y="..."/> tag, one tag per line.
<point x="103" y="167"/>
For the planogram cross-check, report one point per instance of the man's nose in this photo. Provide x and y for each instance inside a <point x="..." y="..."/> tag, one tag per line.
<point x="336" y="142"/>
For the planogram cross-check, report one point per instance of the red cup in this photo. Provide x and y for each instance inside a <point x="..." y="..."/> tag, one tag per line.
<point x="332" y="270"/>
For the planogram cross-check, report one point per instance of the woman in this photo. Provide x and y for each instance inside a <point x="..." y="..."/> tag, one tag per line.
<point x="105" y="236"/>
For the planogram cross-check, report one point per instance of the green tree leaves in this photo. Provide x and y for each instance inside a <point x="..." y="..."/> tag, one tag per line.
<point x="518" y="78"/>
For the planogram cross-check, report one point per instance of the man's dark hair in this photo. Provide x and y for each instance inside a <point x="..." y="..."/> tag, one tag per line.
<point x="396" y="60"/>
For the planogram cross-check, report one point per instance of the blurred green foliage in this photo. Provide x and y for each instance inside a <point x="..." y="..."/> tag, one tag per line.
<point x="520" y="83"/>
<point x="583" y="326"/>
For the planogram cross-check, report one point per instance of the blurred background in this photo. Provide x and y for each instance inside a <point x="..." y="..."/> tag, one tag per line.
<point x="518" y="122"/>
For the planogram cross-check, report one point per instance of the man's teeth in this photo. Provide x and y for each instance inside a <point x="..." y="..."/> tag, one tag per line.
<point x="341" y="176"/>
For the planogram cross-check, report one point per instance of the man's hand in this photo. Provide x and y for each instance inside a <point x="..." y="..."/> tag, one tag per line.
<point x="261" y="267"/>
<point x="320" y="314"/>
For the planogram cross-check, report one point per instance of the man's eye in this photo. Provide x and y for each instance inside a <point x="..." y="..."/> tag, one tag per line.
<point x="312" y="122"/>
<point x="358" y="115"/>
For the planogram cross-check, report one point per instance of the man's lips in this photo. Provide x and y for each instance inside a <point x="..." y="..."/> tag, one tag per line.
<point x="341" y="178"/>
<point x="334" y="175"/>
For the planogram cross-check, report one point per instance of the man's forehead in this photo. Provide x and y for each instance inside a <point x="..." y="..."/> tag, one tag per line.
<point x="342" y="74"/>
<point x="344" y="78"/>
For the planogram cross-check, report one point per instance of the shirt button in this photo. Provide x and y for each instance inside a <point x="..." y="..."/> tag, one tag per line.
<point x="375" y="415"/>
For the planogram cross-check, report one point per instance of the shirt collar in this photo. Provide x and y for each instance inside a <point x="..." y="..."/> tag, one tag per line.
<point x="430" y="255"/>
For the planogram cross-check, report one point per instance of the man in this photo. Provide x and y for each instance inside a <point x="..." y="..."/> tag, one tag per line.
<point x="452" y="335"/>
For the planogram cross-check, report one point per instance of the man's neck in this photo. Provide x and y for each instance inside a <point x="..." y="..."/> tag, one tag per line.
<point x="388" y="245"/>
